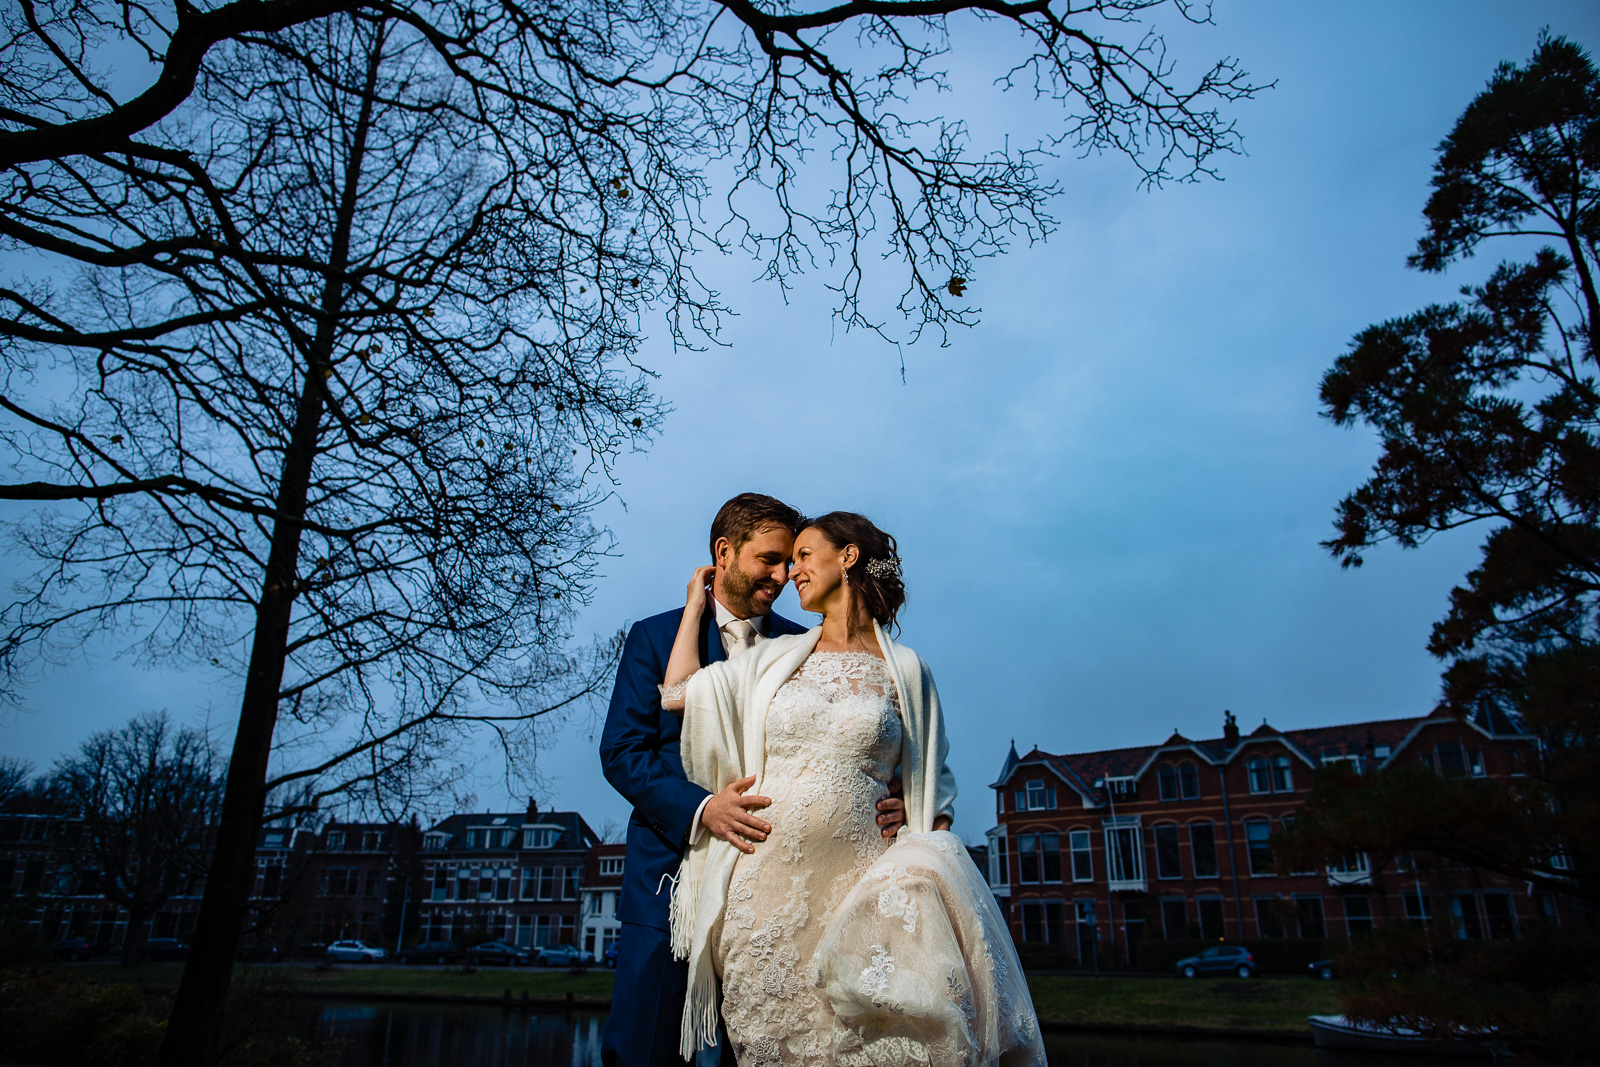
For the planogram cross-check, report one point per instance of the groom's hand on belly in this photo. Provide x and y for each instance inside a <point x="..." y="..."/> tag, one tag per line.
<point x="892" y="810"/>
<point x="728" y="815"/>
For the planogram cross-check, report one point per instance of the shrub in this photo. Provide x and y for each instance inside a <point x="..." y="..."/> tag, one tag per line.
<point x="60" y="1020"/>
<point x="47" y="1019"/>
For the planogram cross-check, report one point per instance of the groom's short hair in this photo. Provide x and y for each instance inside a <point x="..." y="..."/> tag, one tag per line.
<point x="746" y="514"/>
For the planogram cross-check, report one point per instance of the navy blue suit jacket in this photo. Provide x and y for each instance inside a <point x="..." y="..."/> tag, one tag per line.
<point x="639" y="753"/>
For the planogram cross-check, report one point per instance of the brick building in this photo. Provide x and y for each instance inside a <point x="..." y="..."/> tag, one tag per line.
<point x="601" y="890"/>
<point x="355" y="880"/>
<point x="37" y="874"/>
<point x="504" y="876"/>
<point x="1095" y="851"/>
<point x="282" y="898"/>
<point x="43" y="876"/>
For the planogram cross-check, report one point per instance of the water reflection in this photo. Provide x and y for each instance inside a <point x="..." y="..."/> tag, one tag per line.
<point x="384" y="1035"/>
<point x="1087" y="1050"/>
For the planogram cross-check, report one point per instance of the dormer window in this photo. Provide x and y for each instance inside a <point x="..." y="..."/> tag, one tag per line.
<point x="435" y="842"/>
<point x="1122" y="787"/>
<point x="539" y="837"/>
<point x="1452" y="761"/>
<point x="335" y="840"/>
<point x="1256" y="769"/>
<point x="1036" y="796"/>
<point x="1282" y="775"/>
<point x="1353" y="762"/>
<point x="1180" y="781"/>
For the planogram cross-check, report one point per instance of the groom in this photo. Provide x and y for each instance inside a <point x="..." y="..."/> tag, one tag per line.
<point x="752" y="540"/>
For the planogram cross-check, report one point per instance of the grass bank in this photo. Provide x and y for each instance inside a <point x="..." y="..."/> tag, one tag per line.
<point x="1269" y="1007"/>
<point x="422" y="983"/>
<point x="1275" y="1007"/>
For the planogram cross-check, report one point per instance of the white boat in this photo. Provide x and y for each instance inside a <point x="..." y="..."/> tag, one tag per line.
<point x="1338" y="1032"/>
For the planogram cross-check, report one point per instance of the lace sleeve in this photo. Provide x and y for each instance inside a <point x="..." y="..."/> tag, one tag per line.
<point x="673" y="694"/>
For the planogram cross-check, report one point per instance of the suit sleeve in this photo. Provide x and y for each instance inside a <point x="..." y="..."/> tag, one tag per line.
<point x="631" y="747"/>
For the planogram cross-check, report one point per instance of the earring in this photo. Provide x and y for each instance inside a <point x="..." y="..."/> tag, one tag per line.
<point x="846" y="573"/>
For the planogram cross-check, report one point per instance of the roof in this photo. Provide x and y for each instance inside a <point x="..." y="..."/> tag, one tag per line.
<point x="280" y="836"/>
<point x="1087" y="771"/>
<point x="573" y="833"/>
<point x="1012" y="759"/>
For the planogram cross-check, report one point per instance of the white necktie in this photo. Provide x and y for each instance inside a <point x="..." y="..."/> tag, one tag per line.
<point x="741" y="635"/>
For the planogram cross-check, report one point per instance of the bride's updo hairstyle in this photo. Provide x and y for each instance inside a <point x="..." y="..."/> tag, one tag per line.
<point x="875" y="578"/>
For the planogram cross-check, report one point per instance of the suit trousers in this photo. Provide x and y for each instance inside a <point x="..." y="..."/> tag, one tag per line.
<point x="646" y="1016"/>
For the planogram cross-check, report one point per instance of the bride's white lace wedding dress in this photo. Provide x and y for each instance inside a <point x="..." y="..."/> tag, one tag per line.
<point x="836" y="948"/>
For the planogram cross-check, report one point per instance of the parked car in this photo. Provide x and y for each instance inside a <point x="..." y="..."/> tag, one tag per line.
<point x="1322" y="969"/>
<point x="72" y="948"/>
<point x="498" y="952"/>
<point x="430" y="952"/>
<point x="354" y="952"/>
<point x="165" y="950"/>
<point x="562" y="956"/>
<point x="1219" y="959"/>
<point x="610" y="956"/>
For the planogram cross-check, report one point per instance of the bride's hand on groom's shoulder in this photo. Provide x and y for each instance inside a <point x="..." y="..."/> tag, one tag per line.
<point x="699" y="589"/>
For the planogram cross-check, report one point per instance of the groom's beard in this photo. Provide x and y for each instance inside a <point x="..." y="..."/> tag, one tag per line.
<point x="741" y="591"/>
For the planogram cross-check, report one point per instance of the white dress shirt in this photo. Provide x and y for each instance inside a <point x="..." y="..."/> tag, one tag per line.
<point x="724" y="617"/>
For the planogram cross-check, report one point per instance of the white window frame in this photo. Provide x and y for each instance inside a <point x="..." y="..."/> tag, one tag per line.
<point x="1354" y="868"/>
<point x="1122" y="786"/>
<point x="999" y="873"/>
<point x="539" y="836"/>
<point x="1124" y="845"/>
<point x="1081" y="842"/>
<point x="1282" y="764"/>
<point x="1216" y="860"/>
<point x="1177" y="849"/>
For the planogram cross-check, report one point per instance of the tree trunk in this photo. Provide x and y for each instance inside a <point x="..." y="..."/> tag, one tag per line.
<point x="133" y="941"/>
<point x="194" y="1029"/>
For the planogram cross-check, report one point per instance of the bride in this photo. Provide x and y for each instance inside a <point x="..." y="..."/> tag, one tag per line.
<point x="834" y="946"/>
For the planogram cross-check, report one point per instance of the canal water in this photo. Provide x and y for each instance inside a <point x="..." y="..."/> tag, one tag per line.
<point x="395" y="1035"/>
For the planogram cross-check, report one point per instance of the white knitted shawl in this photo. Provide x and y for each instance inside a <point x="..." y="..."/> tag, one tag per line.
<point x="724" y="739"/>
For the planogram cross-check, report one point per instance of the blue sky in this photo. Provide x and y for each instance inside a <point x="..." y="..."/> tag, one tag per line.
<point x="1109" y="495"/>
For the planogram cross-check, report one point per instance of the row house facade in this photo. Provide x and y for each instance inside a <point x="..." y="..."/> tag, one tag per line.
<point x="40" y="874"/>
<point x="527" y="877"/>
<point x="36" y="865"/>
<point x="1094" y="852"/>
<point x="514" y="877"/>
<point x="601" y="892"/>
<point x="363" y="881"/>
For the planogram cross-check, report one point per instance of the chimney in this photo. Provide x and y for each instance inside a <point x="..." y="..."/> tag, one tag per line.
<point x="533" y="807"/>
<point x="1230" y="731"/>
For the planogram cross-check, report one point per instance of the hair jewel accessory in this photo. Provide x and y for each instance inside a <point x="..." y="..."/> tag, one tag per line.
<point x="884" y="568"/>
